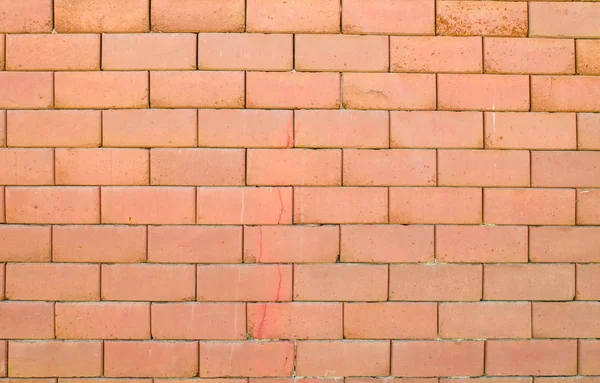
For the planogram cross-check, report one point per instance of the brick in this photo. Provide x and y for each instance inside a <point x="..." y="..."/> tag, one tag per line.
<point x="2" y="281"/>
<point x="341" y="129"/>
<point x="588" y="206"/>
<point x="295" y="320"/>
<point x="435" y="358"/>
<point x="245" y="51"/>
<point x="4" y="358"/>
<point x="483" y="167"/>
<point x="292" y="90"/>
<point x="513" y="130"/>
<point x="588" y="131"/>
<point x="101" y="380"/>
<point x="481" y="244"/>
<point x="53" y="52"/>
<point x="150" y="359"/>
<point x="531" y="357"/>
<point x="2" y="52"/>
<point x="27" y="166"/>
<point x="101" y="16"/>
<point x="197" y="89"/>
<point x="3" y="122"/>
<point x="386" y="243"/>
<point x="529" y="55"/>
<point x="436" y="129"/>
<point x="452" y="282"/>
<point x="296" y="380"/>
<point x="529" y="206"/>
<point x="588" y="56"/>
<point x="291" y="244"/>
<point x="564" y="20"/>
<point x="246" y="359"/>
<point x="240" y="283"/>
<point x="102" y="320"/>
<point x="567" y="379"/>
<point x="565" y="320"/>
<point x="483" y="92"/>
<point x="487" y="18"/>
<point x="588" y="283"/>
<point x="487" y="320"/>
<point x="197" y="16"/>
<point x="26" y="320"/>
<point x="101" y="90"/>
<point x="397" y="91"/>
<point x="29" y="16"/>
<point x="245" y="128"/>
<point x="146" y="282"/>
<point x="149" y="128"/>
<point x="431" y="205"/>
<point x="308" y="16"/>
<point x="148" y="51"/>
<point x="24" y="243"/>
<point x="194" y="244"/>
<point x="490" y="379"/>
<point x="244" y="205"/>
<point x="343" y="358"/>
<point x="529" y="282"/>
<point x="54" y="358"/>
<point x="148" y="205"/>
<point x="406" y="17"/>
<point x="565" y="169"/>
<point x="51" y="128"/>
<point x="26" y="90"/>
<point x="565" y="93"/>
<point x="338" y="282"/>
<point x="436" y="54"/>
<point x="589" y="352"/>
<point x="390" y="320"/>
<point x="2" y="205"/>
<point x="341" y="205"/>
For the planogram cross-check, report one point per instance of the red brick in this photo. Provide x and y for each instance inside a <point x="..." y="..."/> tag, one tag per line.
<point x="101" y="16"/>
<point x="487" y="18"/>
<point x="565" y="169"/>
<point x="309" y="16"/>
<point x="392" y="380"/>
<point x="145" y="282"/>
<point x="295" y="320"/>
<point x="27" y="166"/>
<point x="389" y="17"/>
<point x="485" y="320"/>
<point x="25" y="243"/>
<point x="339" y="282"/>
<point x="452" y="282"/>
<point x="102" y="320"/>
<point x="588" y="56"/>
<point x="531" y="357"/>
<point x="26" y="90"/>
<point x="529" y="282"/>
<point x="197" y="16"/>
<point x="194" y="244"/>
<point x="244" y="205"/>
<point x="588" y="283"/>
<point x="529" y="55"/>
<point x="192" y="321"/>
<point x="481" y="244"/>
<point x="343" y="358"/>
<point x="101" y="90"/>
<point x="566" y="320"/>
<point x="565" y="93"/>
<point x="100" y="380"/>
<point x="150" y="359"/>
<point x="291" y="244"/>
<point x="26" y="320"/>
<point x="240" y="283"/>
<point x="386" y="243"/>
<point x="246" y="359"/>
<point x="588" y="131"/>
<point x="588" y="206"/>
<point x="589" y="352"/>
<point x="564" y="20"/>
<point x="53" y="52"/>
<point x="435" y="358"/>
<point x="29" y="16"/>
<point x="296" y="380"/>
<point x="148" y="205"/>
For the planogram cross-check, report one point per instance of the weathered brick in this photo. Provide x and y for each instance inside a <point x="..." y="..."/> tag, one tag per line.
<point x="197" y="16"/>
<point x="26" y="16"/>
<point x="529" y="55"/>
<point x="101" y="16"/>
<point x="487" y="18"/>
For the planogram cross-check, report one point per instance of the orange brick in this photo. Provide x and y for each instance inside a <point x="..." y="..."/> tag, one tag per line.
<point x="435" y="205"/>
<point x="26" y="320"/>
<point x="4" y="358"/>
<point x="435" y="358"/>
<point x="295" y="320"/>
<point x="339" y="282"/>
<point x="101" y="90"/>
<point x="567" y="379"/>
<point x="2" y="207"/>
<point x="588" y="131"/>
<point x="566" y="320"/>
<point x="483" y="91"/>
<point x="485" y="320"/>
<point x="145" y="282"/>
<point x="589" y="352"/>
<point x="148" y="51"/>
<point x="52" y="282"/>
<point x="100" y="380"/>
<point x="240" y="283"/>
<point x="452" y="282"/>
<point x="341" y="129"/>
<point x="244" y="205"/>
<point x="148" y="205"/>
<point x="53" y="52"/>
<point x="295" y="380"/>
<point x="54" y="358"/>
<point x="513" y="130"/>
<point x="564" y="20"/>
<point x="531" y="357"/>
<point x="588" y="283"/>
<point x="529" y="206"/>
<point x="389" y="90"/>
<point x="24" y="243"/>
<point x="150" y="359"/>
<point x="565" y="93"/>
<point x="588" y="206"/>
<point x="436" y="54"/>
<point x="343" y="358"/>
<point x="292" y="90"/>
<point x="291" y="244"/>
<point x="529" y="55"/>
<point x="436" y="129"/>
<point x="2" y="283"/>
<point x="309" y="16"/>
<point x="192" y="321"/>
<point x="2" y="53"/>
<point x="565" y="169"/>
<point x="102" y="320"/>
<point x="3" y="122"/>
<point x="246" y="359"/>
<point x="194" y="244"/>
<point x="29" y="16"/>
<point x="389" y="17"/>
<point x="101" y="16"/>
<point x="485" y="244"/>
<point x="26" y="90"/>
<point x="390" y="320"/>
<point x="490" y="379"/>
<point x="393" y="380"/>
<point x="487" y="18"/>
<point x="529" y="282"/>
<point x="27" y="167"/>
<point x="198" y="16"/>
<point x="588" y="56"/>
<point x="341" y="205"/>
